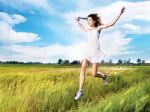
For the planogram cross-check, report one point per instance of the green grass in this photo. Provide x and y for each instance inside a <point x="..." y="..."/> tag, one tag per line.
<point x="44" y="88"/>
<point x="134" y="99"/>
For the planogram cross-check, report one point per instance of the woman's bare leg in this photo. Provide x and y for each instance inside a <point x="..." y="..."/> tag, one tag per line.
<point x="82" y="73"/>
<point x="95" y="72"/>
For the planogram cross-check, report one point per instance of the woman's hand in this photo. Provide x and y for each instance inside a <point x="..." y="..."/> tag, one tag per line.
<point x="78" y="19"/>
<point x="122" y="10"/>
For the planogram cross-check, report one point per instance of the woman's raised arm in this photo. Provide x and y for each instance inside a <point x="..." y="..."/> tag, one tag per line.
<point x="80" y="25"/>
<point x="113" y="21"/>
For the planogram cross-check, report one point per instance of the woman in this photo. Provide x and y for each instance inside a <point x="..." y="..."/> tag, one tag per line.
<point x="93" y="52"/>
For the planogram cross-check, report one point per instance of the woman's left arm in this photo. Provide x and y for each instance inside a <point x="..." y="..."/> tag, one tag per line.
<point x="113" y="21"/>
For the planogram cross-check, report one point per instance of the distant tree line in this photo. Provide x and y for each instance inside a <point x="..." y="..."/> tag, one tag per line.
<point x="128" y="62"/>
<point x="61" y="62"/>
<point x="75" y="62"/>
<point x="110" y="62"/>
<point x="18" y="62"/>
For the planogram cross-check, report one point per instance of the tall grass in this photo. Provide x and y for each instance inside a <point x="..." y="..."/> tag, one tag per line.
<point x="50" y="89"/>
<point x="135" y="99"/>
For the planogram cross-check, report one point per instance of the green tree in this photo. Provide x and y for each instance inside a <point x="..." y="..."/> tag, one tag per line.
<point x="110" y="61"/>
<point x="143" y="61"/>
<point x="60" y="61"/>
<point x="139" y="61"/>
<point x="119" y="61"/>
<point x="102" y="62"/>
<point x="128" y="61"/>
<point x="66" y="62"/>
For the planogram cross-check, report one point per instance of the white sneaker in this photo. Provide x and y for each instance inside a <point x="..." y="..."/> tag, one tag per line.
<point x="105" y="79"/>
<point x="78" y="95"/>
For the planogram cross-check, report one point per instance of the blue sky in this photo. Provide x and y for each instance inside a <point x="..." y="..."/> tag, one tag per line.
<point x="46" y="30"/>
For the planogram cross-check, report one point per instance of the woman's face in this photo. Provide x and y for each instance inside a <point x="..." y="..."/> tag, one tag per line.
<point x="90" y="21"/>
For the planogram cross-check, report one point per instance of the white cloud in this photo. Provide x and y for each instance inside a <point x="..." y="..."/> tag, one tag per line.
<point x="11" y="20"/>
<point x="115" y="43"/>
<point x="83" y="5"/>
<point x="45" y="54"/>
<point x="51" y="53"/>
<point x="29" y="5"/>
<point x="9" y="35"/>
<point x="18" y="19"/>
<point x="129" y="28"/>
<point x="134" y="11"/>
<point x="43" y="4"/>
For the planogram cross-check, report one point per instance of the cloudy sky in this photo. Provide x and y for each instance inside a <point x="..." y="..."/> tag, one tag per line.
<point x="46" y="30"/>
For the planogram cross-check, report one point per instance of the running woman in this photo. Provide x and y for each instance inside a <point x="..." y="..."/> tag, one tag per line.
<point x="93" y="52"/>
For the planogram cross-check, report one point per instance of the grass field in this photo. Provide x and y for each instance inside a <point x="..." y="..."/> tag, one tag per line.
<point x="46" y="88"/>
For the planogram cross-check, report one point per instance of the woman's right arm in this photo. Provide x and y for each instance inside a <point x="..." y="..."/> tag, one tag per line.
<point x="80" y="25"/>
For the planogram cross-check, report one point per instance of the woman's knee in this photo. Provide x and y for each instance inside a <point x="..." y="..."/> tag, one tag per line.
<point x="83" y="68"/>
<point x="84" y="65"/>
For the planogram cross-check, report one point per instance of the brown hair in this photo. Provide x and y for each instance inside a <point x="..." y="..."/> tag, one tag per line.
<point x="96" y="18"/>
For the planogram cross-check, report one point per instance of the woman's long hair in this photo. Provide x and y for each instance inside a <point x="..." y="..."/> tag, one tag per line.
<point x="95" y="17"/>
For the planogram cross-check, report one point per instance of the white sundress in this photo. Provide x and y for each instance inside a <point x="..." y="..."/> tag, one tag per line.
<point x="93" y="52"/>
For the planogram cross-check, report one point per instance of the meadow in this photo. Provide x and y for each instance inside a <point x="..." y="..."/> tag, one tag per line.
<point x="49" y="88"/>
